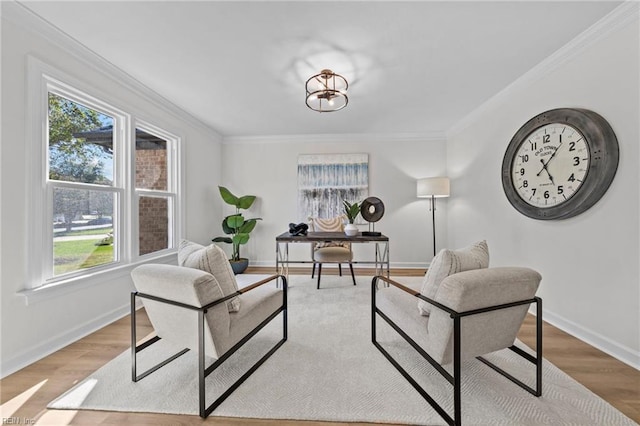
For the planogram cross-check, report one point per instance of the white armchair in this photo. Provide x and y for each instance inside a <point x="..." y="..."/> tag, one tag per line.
<point x="187" y="307"/>
<point x="472" y="313"/>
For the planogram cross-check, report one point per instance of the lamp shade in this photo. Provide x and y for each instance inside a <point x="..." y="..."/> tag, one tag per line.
<point x="433" y="186"/>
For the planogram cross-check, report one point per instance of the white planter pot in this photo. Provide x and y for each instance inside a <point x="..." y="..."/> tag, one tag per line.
<point x="351" y="230"/>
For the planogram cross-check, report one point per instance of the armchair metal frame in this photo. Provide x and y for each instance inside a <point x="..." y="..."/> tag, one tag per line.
<point x="203" y="371"/>
<point x="455" y="379"/>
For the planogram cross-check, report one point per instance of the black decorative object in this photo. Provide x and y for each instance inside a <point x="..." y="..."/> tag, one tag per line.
<point x="299" y="229"/>
<point x="372" y="210"/>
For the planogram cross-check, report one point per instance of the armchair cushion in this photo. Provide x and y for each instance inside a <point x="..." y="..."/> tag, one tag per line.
<point x="449" y="262"/>
<point x="211" y="259"/>
<point x="477" y="289"/>
<point x="190" y="286"/>
<point x="399" y="307"/>
<point x="257" y="305"/>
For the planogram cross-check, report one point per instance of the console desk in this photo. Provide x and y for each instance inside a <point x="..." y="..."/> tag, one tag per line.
<point x="381" y="260"/>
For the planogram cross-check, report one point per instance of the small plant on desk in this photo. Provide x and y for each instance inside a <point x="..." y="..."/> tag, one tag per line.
<point x="352" y="211"/>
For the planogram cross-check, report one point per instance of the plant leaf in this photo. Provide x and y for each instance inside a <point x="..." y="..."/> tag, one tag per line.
<point x="222" y="240"/>
<point x="351" y="210"/>
<point x="246" y="201"/>
<point x="248" y="226"/>
<point x="235" y="221"/>
<point x="240" y="239"/>
<point x="228" y="197"/>
<point x="225" y="225"/>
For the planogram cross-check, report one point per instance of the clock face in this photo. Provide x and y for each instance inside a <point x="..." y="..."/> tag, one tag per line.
<point x="550" y="165"/>
<point x="559" y="163"/>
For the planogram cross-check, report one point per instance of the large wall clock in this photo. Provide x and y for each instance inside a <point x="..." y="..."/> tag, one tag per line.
<point x="560" y="163"/>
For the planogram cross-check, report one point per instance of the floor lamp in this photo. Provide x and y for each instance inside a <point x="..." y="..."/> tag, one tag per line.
<point x="432" y="188"/>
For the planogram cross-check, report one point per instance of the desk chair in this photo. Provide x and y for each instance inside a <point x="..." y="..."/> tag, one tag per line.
<point x="330" y="252"/>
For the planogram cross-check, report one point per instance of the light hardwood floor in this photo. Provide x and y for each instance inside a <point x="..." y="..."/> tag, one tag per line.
<point x="25" y="394"/>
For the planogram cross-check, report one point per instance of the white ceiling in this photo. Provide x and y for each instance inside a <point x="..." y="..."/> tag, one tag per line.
<point x="413" y="67"/>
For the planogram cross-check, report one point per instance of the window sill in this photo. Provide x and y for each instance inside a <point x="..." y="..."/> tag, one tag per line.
<point x="60" y="288"/>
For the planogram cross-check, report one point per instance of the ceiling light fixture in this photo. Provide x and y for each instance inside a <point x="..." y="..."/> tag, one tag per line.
<point x="327" y="92"/>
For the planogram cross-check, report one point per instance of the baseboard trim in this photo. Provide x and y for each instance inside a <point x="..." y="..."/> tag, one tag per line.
<point x="603" y="343"/>
<point x="58" y="342"/>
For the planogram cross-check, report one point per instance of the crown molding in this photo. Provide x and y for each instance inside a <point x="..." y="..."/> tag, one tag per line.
<point x="625" y="14"/>
<point x="20" y="14"/>
<point x="338" y="137"/>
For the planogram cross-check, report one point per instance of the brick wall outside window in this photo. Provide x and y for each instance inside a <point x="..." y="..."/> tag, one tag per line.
<point x="151" y="173"/>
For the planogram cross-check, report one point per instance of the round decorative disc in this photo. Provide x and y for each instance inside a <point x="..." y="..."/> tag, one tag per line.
<point x="372" y="209"/>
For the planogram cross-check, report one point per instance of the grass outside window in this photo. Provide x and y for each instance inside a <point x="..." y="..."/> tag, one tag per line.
<point x="76" y="254"/>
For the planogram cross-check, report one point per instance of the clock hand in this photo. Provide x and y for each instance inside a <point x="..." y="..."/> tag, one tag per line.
<point x="552" y="155"/>
<point x="544" y="167"/>
<point x="549" y="160"/>
<point x="550" y="177"/>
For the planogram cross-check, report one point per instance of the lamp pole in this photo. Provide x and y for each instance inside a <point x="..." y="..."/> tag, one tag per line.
<point x="433" y="222"/>
<point x="432" y="188"/>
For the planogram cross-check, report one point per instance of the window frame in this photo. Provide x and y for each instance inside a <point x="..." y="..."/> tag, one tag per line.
<point x="42" y="79"/>
<point x="117" y="188"/>
<point x="171" y="193"/>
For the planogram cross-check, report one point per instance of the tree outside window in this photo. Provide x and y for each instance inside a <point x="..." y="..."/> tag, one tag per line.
<point x="78" y="161"/>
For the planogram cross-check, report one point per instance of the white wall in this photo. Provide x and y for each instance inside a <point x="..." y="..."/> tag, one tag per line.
<point x="30" y="332"/>
<point x="267" y="167"/>
<point x="589" y="263"/>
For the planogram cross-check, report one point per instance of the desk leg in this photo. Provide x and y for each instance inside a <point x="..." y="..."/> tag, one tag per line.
<point x="282" y="260"/>
<point x="388" y="260"/>
<point x="377" y="259"/>
<point x="287" y="261"/>
<point x="382" y="260"/>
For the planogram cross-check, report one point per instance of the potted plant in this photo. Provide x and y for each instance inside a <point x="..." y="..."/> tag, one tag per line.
<point x="351" y="211"/>
<point x="237" y="227"/>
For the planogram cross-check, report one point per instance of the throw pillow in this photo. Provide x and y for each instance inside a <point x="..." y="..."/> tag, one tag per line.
<point x="449" y="262"/>
<point x="213" y="260"/>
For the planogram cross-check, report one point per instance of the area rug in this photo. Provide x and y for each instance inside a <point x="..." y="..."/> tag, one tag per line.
<point x="329" y="370"/>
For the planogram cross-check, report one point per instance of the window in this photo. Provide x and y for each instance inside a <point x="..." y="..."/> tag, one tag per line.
<point x="105" y="190"/>
<point x="80" y="145"/>
<point x="155" y="189"/>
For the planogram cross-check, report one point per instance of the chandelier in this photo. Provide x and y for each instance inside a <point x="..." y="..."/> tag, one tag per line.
<point x="327" y="92"/>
